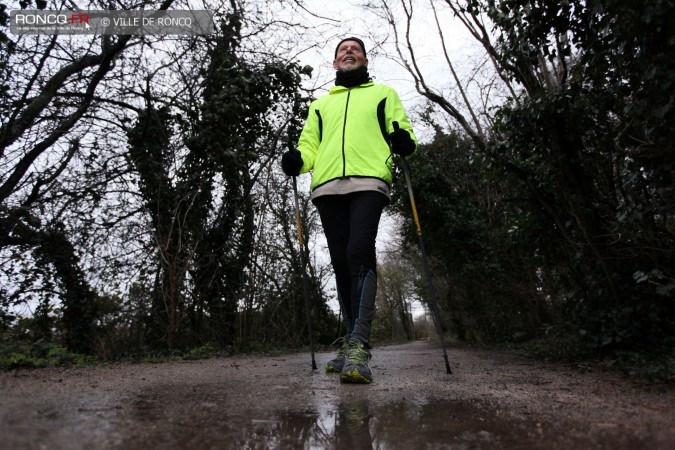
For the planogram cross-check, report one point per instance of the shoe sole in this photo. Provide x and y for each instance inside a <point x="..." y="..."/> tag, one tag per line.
<point x="354" y="376"/>
<point x="331" y="369"/>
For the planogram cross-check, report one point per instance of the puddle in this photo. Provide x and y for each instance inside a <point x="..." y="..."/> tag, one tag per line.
<point x="402" y="425"/>
<point x="191" y="417"/>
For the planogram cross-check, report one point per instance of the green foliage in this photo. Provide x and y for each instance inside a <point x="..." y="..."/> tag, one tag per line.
<point x="590" y="140"/>
<point x="187" y="199"/>
<point x="395" y="292"/>
<point x="78" y="299"/>
<point x="203" y="352"/>
<point x="486" y="284"/>
<point x="198" y="177"/>
<point x="562" y="225"/>
<point x="38" y="354"/>
<point x="645" y="365"/>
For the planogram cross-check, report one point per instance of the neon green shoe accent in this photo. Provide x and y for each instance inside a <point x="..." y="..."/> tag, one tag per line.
<point x="332" y="367"/>
<point x="354" y="376"/>
<point x="356" y="369"/>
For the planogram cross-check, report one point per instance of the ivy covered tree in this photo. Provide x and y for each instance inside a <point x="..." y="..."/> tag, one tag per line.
<point x="595" y="142"/>
<point x="472" y="220"/>
<point x="136" y="169"/>
<point x="582" y="147"/>
<point x="198" y="184"/>
<point x="49" y="90"/>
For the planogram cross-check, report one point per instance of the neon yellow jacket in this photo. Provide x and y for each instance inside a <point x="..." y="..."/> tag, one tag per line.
<point x="346" y="131"/>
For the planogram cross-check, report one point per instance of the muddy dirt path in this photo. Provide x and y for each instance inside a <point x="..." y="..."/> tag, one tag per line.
<point x="494" y="399"/>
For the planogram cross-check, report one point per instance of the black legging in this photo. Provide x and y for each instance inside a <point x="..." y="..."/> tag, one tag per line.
<point x="350" y="224"/>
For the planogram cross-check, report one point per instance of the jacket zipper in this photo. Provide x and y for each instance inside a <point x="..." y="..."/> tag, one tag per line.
<point x="344" y="127"/>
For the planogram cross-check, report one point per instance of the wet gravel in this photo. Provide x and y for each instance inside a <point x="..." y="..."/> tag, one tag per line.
<point x="493" y="399"/>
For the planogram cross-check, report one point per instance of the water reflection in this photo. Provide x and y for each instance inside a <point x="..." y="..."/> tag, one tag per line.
<point x="344" y="427"/>
<point x="356" y="419"/>
<point x="405" y="424"/>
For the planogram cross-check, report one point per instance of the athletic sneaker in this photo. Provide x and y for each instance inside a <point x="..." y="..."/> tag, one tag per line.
<point x="336" y="364"/>
<point x="356" y="369"/>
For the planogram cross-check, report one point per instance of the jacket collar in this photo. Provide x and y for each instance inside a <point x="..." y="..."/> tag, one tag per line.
<point x="336" y="89"/>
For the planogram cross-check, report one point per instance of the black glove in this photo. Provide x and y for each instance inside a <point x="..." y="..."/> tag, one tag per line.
<point x="291" y="163"/>
<point x="401" y="142"/>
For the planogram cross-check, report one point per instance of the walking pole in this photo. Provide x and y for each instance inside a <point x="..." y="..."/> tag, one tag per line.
<point x="425" y="262"/>
<point x="308" y="310"/>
